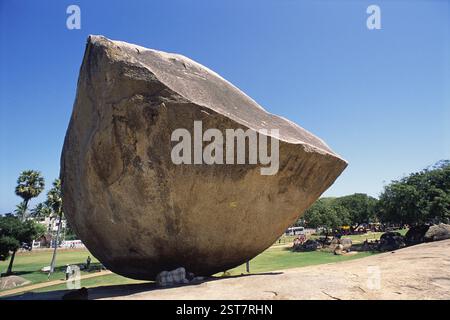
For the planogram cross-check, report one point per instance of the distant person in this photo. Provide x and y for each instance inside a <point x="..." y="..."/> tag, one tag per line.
<point x="88" y="263"/>
<point x="68" y="271"/>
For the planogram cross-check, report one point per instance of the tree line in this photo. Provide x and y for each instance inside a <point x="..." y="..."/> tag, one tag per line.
<point x="18" y="228"/>
<point x="420" y="198"/>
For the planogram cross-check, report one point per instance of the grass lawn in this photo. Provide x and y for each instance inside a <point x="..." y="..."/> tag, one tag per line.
<point x="28" y="264"/>
<point x="277" y="257"/>
<point x="106" y="280"/>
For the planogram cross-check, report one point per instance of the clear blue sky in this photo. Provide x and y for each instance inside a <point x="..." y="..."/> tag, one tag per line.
<point x="380" y="98"/>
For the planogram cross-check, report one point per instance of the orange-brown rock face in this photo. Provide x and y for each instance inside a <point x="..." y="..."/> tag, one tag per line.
<point x="140" y="213"/>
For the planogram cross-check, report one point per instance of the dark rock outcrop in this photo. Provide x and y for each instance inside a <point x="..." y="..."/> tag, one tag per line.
<point x="308" y="245"/>
<point x="391" y="241"/>
<point x="416" y="234"/>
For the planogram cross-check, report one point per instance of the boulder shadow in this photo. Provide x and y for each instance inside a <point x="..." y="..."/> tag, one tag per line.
<point x="111" y="291"/>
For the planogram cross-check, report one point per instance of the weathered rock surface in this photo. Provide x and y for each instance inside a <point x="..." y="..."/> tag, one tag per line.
<point x="9" y="282"/>
<point x="346" y="243"/>
<point x="139" y="213"/>
<point x="340" y="245"/>
<point x="339" y="250"/>
<point x="438" y="232"/>
<point x="309" y="245"/>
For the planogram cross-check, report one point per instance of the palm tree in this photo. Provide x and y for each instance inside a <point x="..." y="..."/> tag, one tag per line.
<point x="21" y="210"/>
<point x="41" y="210"/>
<point x="54" y="201"/>
<point x="29" y="185"/>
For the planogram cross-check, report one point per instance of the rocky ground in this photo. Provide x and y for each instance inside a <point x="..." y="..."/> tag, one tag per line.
<point x="417" y="272"/>
<point x="12" y="282"/>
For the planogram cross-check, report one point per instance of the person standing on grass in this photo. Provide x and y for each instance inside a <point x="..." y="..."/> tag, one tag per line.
<point x="88" y="263"/>
<point x="68" y="271"/>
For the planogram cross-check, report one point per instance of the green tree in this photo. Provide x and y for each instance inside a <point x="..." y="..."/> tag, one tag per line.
<point x="7" y="245"/>
<point x="360" y="208"/>
<point x="422" y="197"/>
<point x="41" y="210"/>
<point x="21" y="210"/>
<point x="13" y="233"/>
<point x="29" y="185"/>
<point x="327" y="214"/>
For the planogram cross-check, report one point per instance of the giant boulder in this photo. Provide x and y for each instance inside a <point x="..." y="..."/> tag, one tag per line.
<point x="137" y="211"/>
